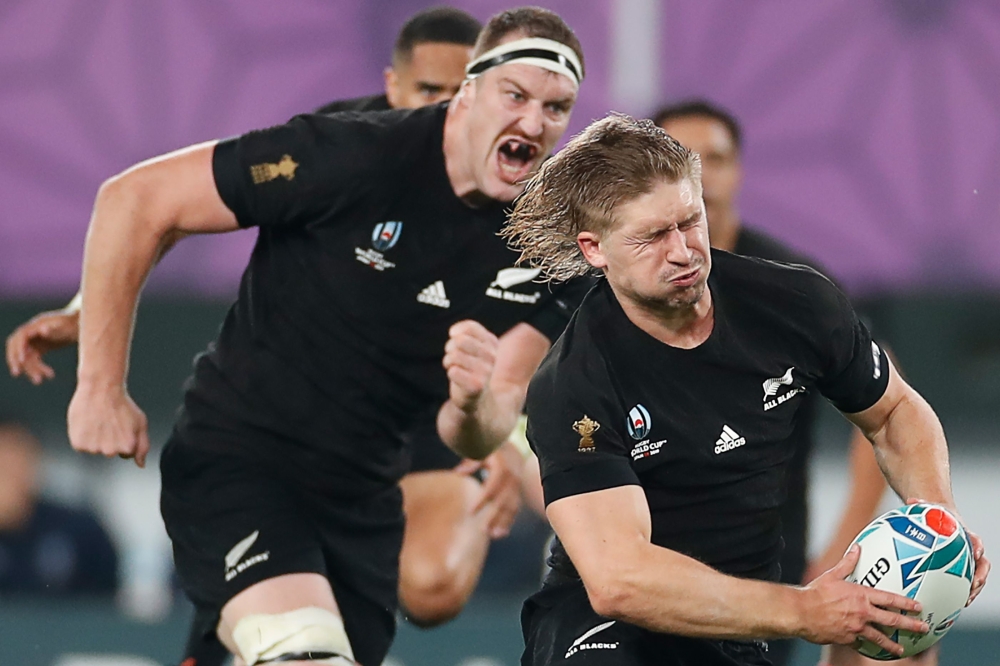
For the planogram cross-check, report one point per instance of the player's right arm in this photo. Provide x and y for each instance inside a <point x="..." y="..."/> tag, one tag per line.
<point x="136" y="215"/>
<point x="607" y="536"/>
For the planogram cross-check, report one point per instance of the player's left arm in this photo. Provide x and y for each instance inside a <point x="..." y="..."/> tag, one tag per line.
<point x="487" y="381"/>
<point x="911" y="449"/>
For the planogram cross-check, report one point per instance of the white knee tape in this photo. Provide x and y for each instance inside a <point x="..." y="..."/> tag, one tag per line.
<point x="261" y="638"/>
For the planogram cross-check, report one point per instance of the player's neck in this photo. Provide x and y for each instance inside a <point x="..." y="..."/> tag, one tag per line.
<point x="684" y="327"/>
<point x="724" y="227"/>
<point x="456" y="162"/>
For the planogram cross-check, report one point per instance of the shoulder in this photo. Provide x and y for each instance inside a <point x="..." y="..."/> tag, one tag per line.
<point x="756" y="243"/>
<point x="753" y="272"/>
<point x="784" y="289"/>
<point x="358" y="140"/>
<point x="405" y="125"/>
<point x="368" y="103"/>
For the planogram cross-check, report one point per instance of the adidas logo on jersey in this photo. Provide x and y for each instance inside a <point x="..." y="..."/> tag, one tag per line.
<point x="728" y="440"/>
<point x="434" y="295"/>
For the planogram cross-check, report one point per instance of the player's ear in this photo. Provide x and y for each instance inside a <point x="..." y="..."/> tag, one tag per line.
<point x="391" y="86"/>
<point x="589" y="243"/>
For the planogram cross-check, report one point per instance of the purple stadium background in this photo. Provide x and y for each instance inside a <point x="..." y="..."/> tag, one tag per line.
<point x="873" y="127"/>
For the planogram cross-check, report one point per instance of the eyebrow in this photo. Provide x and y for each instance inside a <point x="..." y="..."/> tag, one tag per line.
<point x="690" y="218"/>
<point x="563" y="100"/>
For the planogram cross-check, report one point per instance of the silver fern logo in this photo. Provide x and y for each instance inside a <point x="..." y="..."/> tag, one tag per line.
<point x="773" y="385"/>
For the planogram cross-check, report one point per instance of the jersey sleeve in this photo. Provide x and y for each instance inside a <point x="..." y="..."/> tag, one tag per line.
<point x="572" y="430"/>
<point x="302" y="172"/>
<point x="857" y="371"/>
<point x="551" y="318"/>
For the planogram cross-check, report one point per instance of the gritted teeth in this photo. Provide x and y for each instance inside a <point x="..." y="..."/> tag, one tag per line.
<point x="516" y="149"/>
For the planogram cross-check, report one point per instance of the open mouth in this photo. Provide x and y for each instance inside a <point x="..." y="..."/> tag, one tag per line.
<point x="516" y="157"/>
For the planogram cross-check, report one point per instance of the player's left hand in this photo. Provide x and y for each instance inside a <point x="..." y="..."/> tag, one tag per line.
<point x="983" y="564"/>
<point x="501" y="492"/>
<point x="469" y="357"/>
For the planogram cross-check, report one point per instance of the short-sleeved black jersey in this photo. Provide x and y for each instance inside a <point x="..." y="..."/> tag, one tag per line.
<point x="707" y="432"/>
<point x="364" y="259"/>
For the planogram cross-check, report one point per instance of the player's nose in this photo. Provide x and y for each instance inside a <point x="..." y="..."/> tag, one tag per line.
<point x="676" y="248"/>
<point x="532" y="120"/>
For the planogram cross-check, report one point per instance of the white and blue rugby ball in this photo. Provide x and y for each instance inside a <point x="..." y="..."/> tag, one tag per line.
<point x="920" y="551"/>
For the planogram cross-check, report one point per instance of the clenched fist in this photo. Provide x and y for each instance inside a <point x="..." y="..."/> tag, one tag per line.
<point x="469" y="357"/>
<point x="105" y="421"/>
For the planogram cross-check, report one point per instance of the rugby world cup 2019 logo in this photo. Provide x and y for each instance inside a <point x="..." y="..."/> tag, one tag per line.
<point x="385" y="235"/>
<point x="585" y="428"/>
<point x="638" y="422"/>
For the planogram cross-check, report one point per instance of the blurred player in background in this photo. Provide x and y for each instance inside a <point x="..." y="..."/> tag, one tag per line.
<point x="428" y="62"/>
<point x="279" y="481"/>
<point x="450" y="515"/>
<point x="717" y="137"/>
<point x="47" y="550"/>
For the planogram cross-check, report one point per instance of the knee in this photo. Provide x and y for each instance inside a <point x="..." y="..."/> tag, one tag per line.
<point x="433" y="595"/>
<point x="309" y="634"/>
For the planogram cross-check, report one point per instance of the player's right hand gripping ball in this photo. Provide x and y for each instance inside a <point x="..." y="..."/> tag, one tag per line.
<point x="920" y="551"/>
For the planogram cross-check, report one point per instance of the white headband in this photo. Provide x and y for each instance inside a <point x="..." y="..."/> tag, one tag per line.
<point x="545" y="53"/>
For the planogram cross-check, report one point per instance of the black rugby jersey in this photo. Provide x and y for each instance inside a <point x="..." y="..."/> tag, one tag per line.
<point x="369" y="103"/>
<point x="795" y="510"/>
<point x="365" y="257"/>
<point x="707" y="432"/>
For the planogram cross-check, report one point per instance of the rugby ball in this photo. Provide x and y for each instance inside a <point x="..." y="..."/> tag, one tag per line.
<point x="920" y="551"/>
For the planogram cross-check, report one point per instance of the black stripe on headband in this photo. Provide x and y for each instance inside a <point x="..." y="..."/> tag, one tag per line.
<point x="544" y="54"/>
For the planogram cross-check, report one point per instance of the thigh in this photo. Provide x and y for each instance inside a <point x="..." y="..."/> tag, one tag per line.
<point x="232" y="525"/>
<point x="439" y="515"/>
<point x="274" y="596"/>
<point x="361" y="540"/>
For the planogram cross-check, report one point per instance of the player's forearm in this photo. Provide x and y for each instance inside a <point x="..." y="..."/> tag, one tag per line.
<point x="122" y="246"/>
<point x="478" y="432"/>
<point x="168" y="242"/>
<point x="668" y="592"/>
<point x="912" y="451"/>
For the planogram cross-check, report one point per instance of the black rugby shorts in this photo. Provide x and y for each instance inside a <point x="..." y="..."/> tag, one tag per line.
<point x="425" y="451"/>
<point x="561" y="628"/>
<point x="235" y="521"/>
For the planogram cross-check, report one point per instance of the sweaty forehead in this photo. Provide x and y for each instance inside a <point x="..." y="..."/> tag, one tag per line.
<point x="689" y="194"/>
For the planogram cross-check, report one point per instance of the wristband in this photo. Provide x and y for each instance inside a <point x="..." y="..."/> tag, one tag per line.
<point x="76" y="304"/>
<point x="519" y="437"/>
